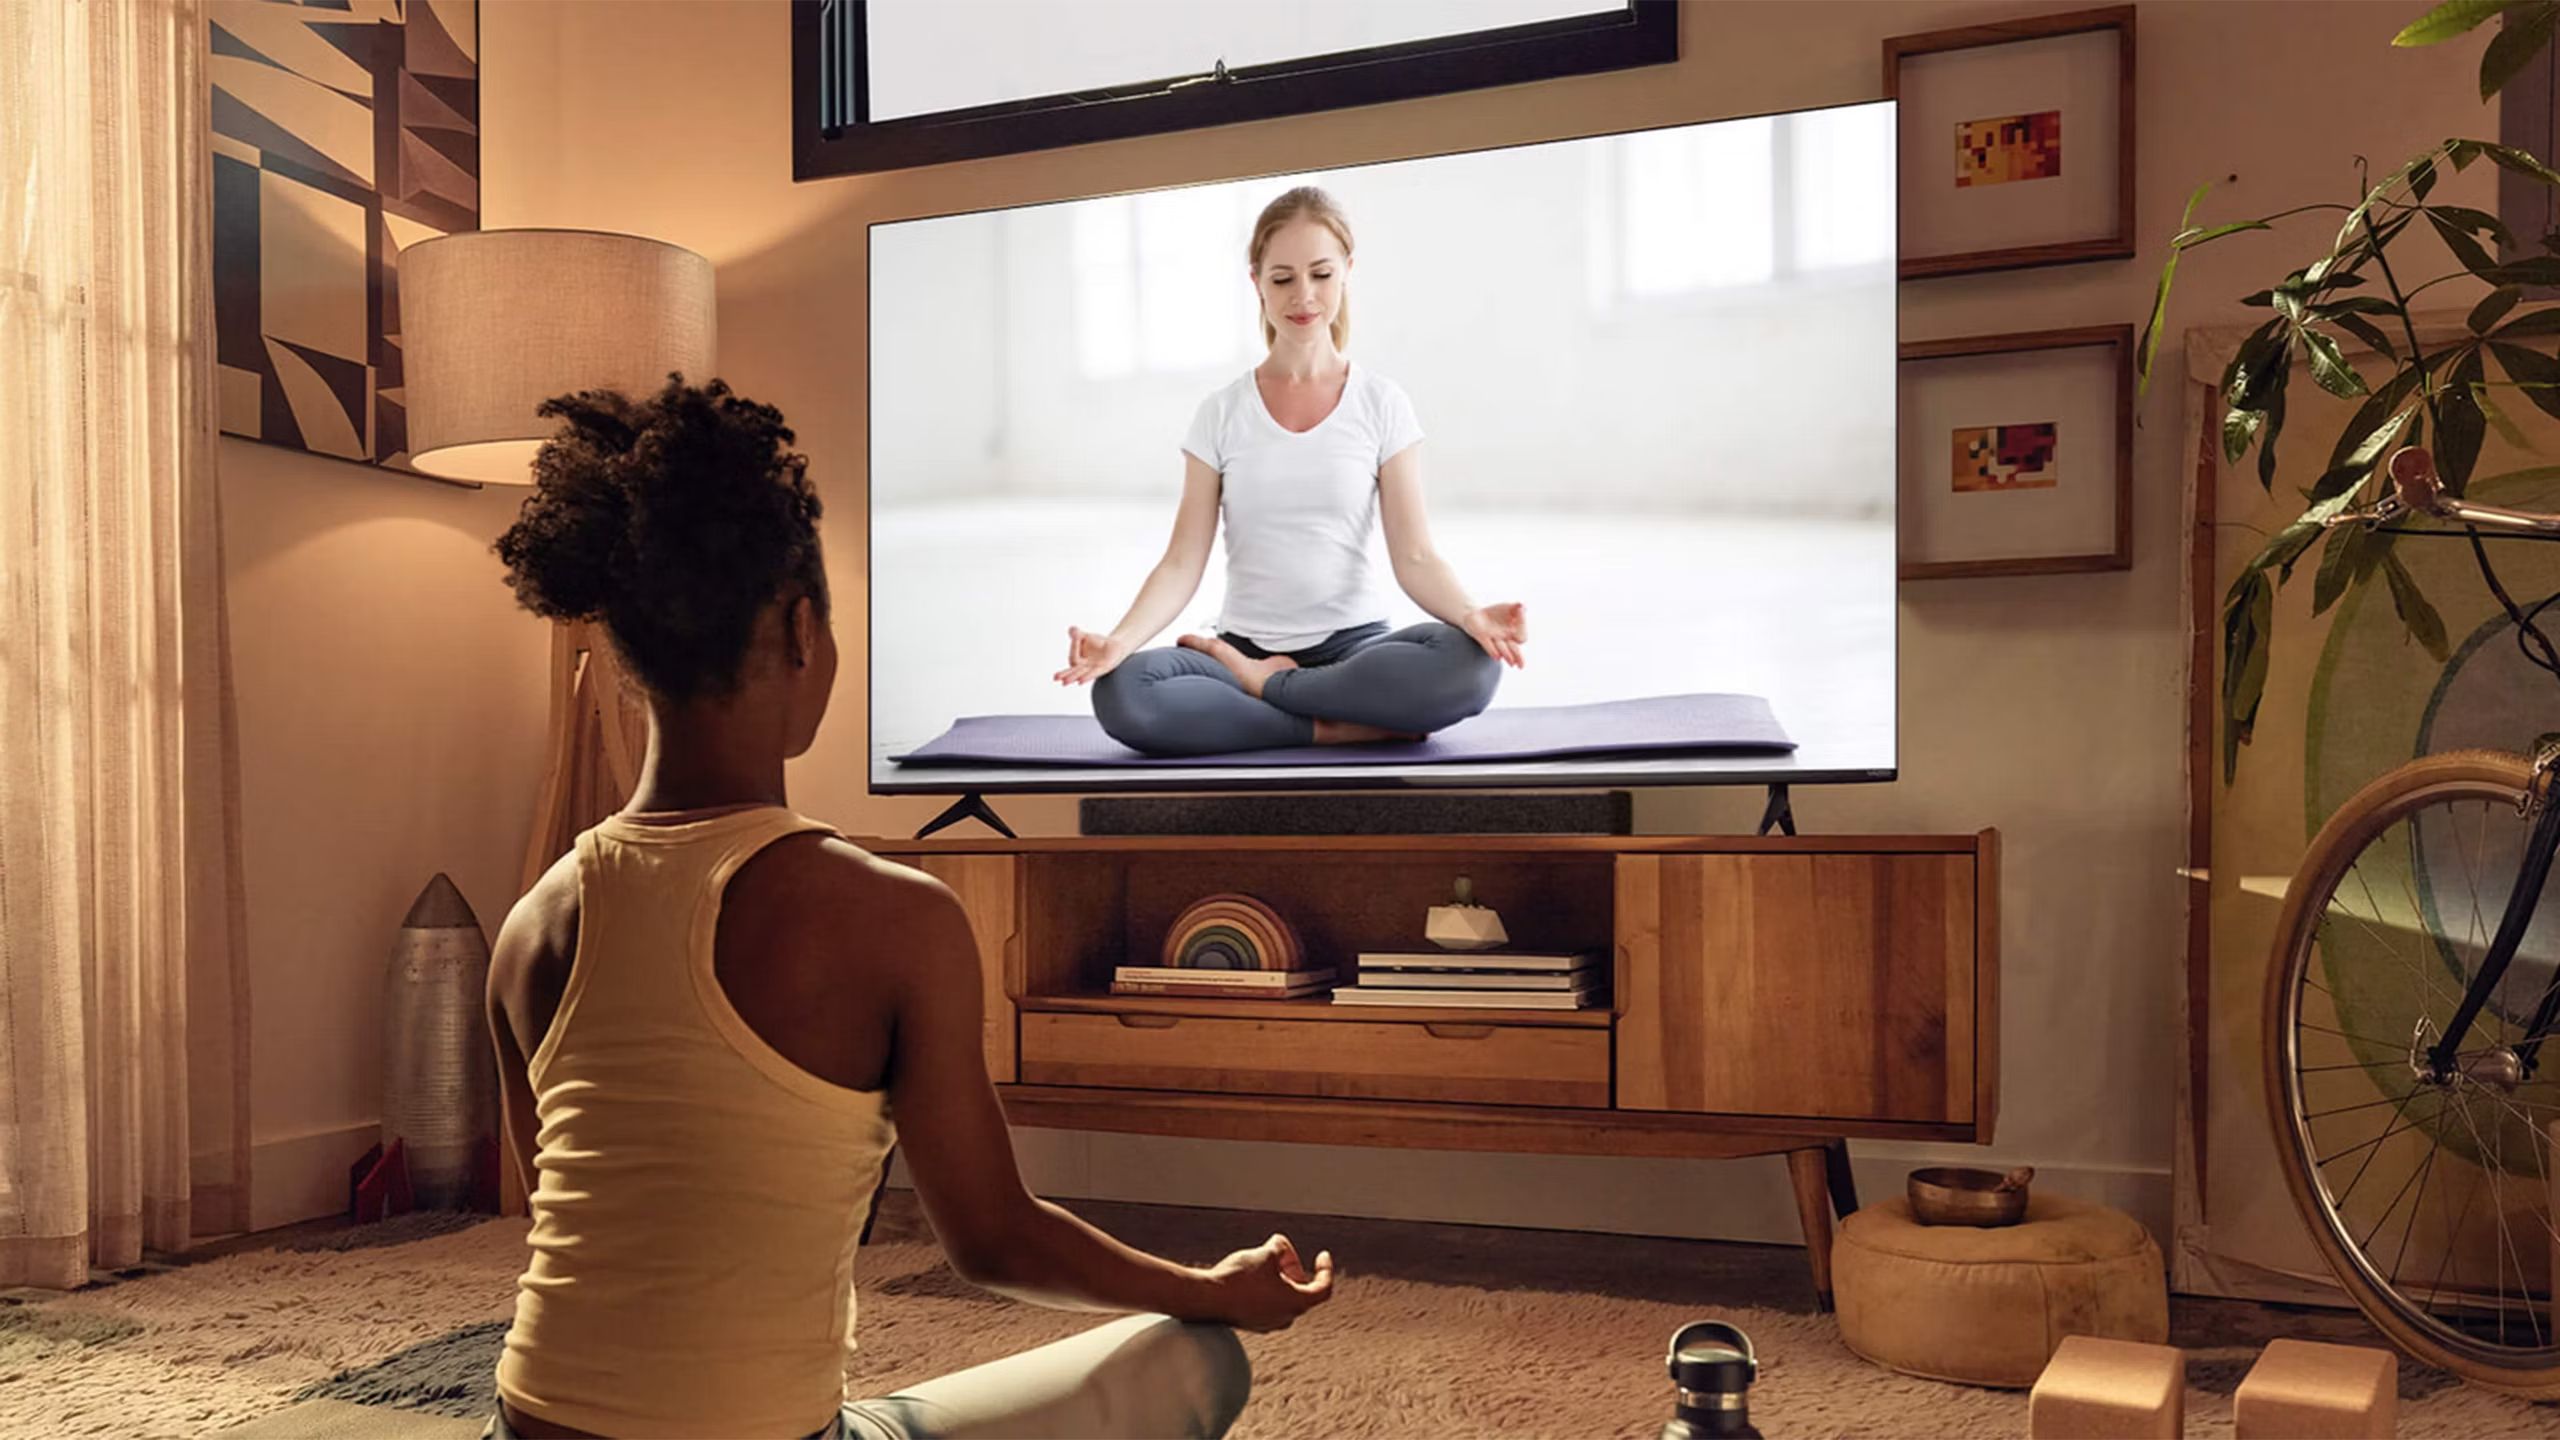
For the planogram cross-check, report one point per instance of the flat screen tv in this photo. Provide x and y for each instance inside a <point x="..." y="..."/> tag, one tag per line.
<point x="1574" y="466"/>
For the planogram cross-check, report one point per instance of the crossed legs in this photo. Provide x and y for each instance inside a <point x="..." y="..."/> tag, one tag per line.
<point x="1205" y="696"/>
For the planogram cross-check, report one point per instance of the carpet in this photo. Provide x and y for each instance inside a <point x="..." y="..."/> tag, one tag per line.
<point x="1436" y="1329"/>
<point x="1660" y="724"/>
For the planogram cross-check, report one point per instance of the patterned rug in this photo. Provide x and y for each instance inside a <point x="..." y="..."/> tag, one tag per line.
<point x="1449" y="1331"/>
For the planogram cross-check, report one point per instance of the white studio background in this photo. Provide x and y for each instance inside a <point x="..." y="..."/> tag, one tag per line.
<point x="1656" y="372"/>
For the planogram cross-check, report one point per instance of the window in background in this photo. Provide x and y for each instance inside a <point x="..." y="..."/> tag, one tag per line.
<point x="1739" y="203"/>
<point x="1160" y="283"/>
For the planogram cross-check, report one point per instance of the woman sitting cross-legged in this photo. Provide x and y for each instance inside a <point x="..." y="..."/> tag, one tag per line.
<point x="715" y="1014"/>
<point x="1305" y="456"/>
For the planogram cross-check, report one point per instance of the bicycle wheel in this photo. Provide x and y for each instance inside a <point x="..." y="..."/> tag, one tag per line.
<point x="2430" y="1197"/>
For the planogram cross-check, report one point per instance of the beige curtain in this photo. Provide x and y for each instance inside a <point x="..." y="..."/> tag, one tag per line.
<point x="123" y="1006"/>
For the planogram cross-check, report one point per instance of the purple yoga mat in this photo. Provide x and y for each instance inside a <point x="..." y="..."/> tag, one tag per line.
<point x="1654" y="725"/>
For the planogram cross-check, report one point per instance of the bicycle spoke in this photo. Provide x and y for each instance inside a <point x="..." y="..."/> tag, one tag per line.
<point x="2415" y="1206"/>
<point x="2452" y="1238"/>
<point x="2366" y="1244"/>
<point x="2344" y="1109"/>
<point x="2400" y="1121"/>
<point x="2349" y="1034"/>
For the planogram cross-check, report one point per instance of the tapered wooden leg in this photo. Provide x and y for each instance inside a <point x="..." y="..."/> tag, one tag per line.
<point x="1844" y="1185"/>
<point x="1807" y="1170"/>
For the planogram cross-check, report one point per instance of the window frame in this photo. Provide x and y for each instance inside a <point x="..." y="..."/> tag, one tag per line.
<point x="829" y="57"/>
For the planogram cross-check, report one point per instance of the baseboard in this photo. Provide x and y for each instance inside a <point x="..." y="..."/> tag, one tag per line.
<point x="1742" y="1200"/>
<point x="293" y="1178"/>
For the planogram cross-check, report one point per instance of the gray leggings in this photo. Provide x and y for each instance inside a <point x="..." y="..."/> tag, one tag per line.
<point x="1141" y="1377"/>
<point x="1172" y="701"/>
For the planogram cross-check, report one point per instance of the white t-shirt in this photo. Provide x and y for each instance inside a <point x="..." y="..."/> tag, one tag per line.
<point x="1300" y="509"/>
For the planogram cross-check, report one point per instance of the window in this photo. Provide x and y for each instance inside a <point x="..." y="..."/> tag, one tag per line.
<point x="886" y="84"/>
<point x="1159" y="285"/>
<point x="1742" y="202"/>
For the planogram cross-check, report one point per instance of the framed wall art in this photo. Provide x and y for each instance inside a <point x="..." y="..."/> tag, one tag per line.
<point x="2016" y="142"/>
<point x="341" y="135"/>
<point x="2017" y="453"/>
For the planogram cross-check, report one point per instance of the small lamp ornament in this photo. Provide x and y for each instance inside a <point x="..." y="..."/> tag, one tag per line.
<point x="1464" y="924"/>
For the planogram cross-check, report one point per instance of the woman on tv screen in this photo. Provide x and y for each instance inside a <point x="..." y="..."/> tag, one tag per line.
<point x="1305" y="455"/>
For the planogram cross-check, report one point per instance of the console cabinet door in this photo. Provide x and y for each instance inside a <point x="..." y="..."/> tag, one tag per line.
<point x="985" y="885"/>
<point x="1798" y="985"/>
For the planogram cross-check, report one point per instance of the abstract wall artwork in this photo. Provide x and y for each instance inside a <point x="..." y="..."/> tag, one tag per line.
<point x="2004" y="457"/>
<point x="2005" y="91"/>
<point x="343" y="131"/>
<point x="2009" y="147"/>
<point x="2037" y="496"/>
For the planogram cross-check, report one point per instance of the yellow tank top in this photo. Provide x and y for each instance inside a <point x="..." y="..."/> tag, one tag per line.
<point x="698" y="1196"/>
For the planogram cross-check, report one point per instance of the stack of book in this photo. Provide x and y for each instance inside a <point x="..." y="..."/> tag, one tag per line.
<point x="1502" y="979"/>
<point x="1222" y="984"/>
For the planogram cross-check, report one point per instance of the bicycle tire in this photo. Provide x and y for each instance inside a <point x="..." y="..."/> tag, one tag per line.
<point x="2485" y="775"/>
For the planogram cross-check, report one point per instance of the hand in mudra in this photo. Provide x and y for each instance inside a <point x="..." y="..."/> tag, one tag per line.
<point x="1090" y="656"/>
<point x="1501" y="629"/>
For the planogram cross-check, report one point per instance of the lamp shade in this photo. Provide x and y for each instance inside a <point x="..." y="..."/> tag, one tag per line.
<point x="494" y="322"/>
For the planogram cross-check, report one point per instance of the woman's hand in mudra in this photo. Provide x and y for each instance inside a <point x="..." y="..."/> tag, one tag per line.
<point x="1501" y="629"/>
<point x="1091" y="656"/>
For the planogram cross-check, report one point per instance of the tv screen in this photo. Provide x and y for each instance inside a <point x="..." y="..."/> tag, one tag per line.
<point x="1559" y="464"/>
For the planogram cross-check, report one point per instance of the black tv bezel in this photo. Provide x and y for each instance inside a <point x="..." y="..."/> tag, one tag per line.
<point x="1065" y="780"/>
<point x="824" y="146"/>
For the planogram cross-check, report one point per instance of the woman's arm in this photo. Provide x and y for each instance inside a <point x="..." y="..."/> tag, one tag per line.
<point x="960" y="1152"/>
<point x="1168" y="587"/>
<point x="1176" y="577"/>
<point x="1500" y="629"/>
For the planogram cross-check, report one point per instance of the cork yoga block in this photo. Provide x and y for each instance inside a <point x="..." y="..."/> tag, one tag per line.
<point x="2097" y="1389"/>
<point x="2302" y="1390"/>
<point x="1988" y="1307"/>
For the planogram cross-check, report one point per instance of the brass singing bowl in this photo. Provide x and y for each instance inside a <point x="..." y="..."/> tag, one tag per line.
<point x="1956" y="1195"/>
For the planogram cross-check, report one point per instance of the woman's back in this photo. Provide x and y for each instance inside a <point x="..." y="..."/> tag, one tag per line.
<point x="700" y="1190"/>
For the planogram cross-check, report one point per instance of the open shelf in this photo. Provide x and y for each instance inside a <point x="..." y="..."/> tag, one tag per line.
<point x="1311" y="1008"/>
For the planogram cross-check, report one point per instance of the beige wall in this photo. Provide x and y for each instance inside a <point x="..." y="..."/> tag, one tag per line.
<point x="391" y="712"/>
<point x="2050" y="707"/>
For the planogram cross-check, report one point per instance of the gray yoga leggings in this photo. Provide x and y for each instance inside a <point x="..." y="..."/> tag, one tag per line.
<point x="1142" y="1377"/>
<point x="1172" y="701"/>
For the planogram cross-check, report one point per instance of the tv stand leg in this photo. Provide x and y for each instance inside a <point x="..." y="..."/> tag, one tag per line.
<point x="1844" y="1185"/>
<point x="1780" y="813"/>
<point x="1807" y="1171"/>
<point x="971" y="806"/>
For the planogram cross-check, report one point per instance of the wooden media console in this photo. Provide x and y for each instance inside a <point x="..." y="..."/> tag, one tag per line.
<point x="1777" y="995"/>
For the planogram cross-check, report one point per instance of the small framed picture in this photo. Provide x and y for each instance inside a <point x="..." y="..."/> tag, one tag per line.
<point x="2016" y="142"/>
<point x="2017" y="453"/>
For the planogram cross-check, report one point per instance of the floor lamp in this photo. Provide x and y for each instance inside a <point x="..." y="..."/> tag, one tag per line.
<point x="492" y="323"/>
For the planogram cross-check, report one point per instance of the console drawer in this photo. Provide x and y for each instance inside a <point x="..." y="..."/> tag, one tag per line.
<point x="1469" y="1062"/>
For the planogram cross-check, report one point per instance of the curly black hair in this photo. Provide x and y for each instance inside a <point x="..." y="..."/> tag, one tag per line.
<point x="676" y="519"/>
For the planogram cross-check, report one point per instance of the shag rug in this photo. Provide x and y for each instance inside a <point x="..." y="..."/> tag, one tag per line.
<point x="409" y="1314"/>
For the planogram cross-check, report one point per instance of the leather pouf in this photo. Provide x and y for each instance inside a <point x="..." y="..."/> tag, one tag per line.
<point x="1989" y="1306"/>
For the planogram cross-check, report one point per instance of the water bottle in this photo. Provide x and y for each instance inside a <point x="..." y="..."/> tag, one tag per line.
<point x="1713" y="1365"/>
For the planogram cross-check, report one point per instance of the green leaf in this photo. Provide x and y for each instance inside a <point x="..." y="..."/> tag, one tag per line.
<point x="2368" y="332"/>
<point x="2454" y="17"/>
<point x="2345" y="561"/>
<point x="2329" y="365"/>
<point x="2478" y="222"/>
<point x="2267" y="350"/>
<point x="2425" y="625"/>
<point x="2149" y="348"/>
<point x="2248" y="618"/>
<point x="2238" y="429"/>
<point x="2520" y="162"/>
<point x="2382" y="414"/>
<point x="2538" y="374"/>
<point x="2274" y="412"/>
<point x="2460" y="427"/>
<point x="2532" y="322"/>
<point x="2493" y="306"/>
<point x="2465" y="249"/>
<point x="2497" y="418"/>
<point x="2526" y="31"/>
<point x="2354" y="224"/>
<point x="2532" y="270"/>
<point x="2190" y="239"/>
<point x="2287" y="546"/>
